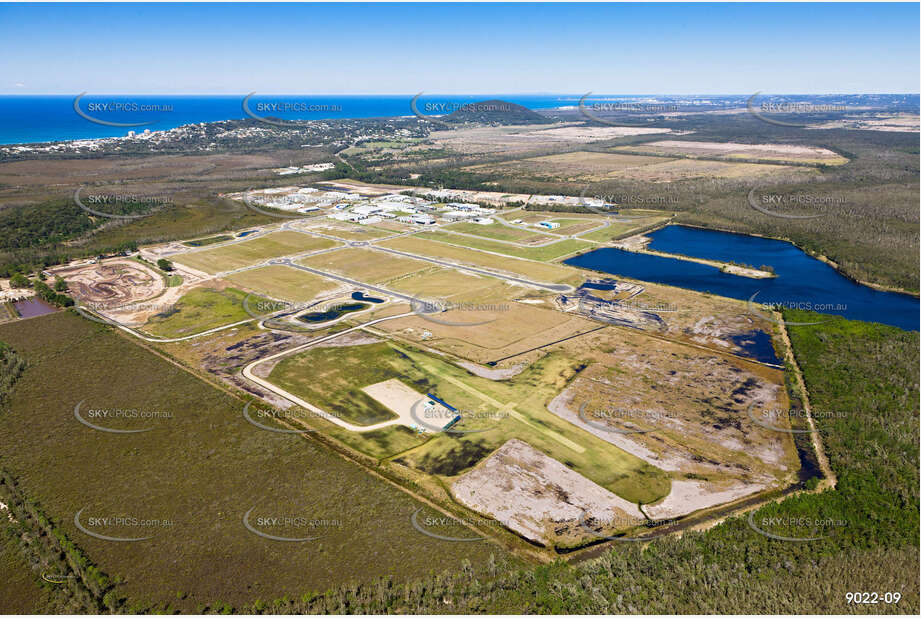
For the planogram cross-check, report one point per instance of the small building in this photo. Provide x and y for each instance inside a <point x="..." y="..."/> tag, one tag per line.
<point x="458" y="215"/>
<point x="550" y="225"/>
<point x="366" y="210"/>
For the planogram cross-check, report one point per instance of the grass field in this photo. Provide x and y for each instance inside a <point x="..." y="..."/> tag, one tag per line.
<point x="199" y="310"/>
<point x="540" y="254"/>
<point x="574" y="226"/>
<point x="570" y="166"/>
<point x="448" y="283"/>
<point x="202" y="469"/>
<point x="350" y="231"/>
<point x="537" y="271"/>
<point x="249" y="252"/>
<point x="619" y="229"/>
<point x="332" y="378"/>
<point x="365" y="264"/>
<point x="596" y="167"/>
<point x="780" y="153"/>
<point x="497" y="231"/>
<point x="283" y="282"/>
<point x="213" y="240"/>
<point x="501" y="328"/>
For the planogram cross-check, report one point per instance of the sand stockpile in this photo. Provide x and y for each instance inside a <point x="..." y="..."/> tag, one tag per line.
<point x="541" y="499"/>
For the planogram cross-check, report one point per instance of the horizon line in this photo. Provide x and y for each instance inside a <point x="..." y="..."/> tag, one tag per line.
<point x="427" y="94"/>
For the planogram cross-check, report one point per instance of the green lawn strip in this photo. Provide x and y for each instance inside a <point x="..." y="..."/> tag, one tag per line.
<point x="207" y="241"/>
<point x="496" y="231"/>
<point x="541" y="254"/>
<point x="250" y="252"/>
<point x="199" y="310"/>
<point x="620" y="229"/>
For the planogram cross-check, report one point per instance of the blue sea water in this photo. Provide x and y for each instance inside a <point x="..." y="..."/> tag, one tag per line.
<point x="802" y="281"/>
<point x="34" y="118"/>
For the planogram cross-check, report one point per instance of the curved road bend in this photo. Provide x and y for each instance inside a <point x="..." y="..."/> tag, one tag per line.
<point x="101" y="318"/>
<point x="249" y="375"/>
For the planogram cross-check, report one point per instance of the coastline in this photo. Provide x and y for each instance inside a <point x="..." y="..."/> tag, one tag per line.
<point x="209" y="109"/>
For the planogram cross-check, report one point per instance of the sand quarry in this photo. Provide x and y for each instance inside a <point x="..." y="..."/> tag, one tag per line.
<point x="123" y="289"/>
<point x="112" y="283"/>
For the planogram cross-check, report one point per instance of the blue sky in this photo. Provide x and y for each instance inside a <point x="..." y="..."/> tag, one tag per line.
<point x="458" y="48"/>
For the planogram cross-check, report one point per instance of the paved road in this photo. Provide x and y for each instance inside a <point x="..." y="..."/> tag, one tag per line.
<point x="249" y="375"/>
<point x="323" y="273"/>
<point x="553" y="287"/>
<point x="97" y="317"/>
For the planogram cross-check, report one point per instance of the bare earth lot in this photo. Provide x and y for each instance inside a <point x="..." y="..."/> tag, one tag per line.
<point x="111" y="283"/>
<point x="730" y="150"/>
<point x="540" y="498"/>
<point x="599" y="166"/>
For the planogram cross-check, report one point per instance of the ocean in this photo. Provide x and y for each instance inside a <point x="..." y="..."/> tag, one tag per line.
<point x="47" y="118"/>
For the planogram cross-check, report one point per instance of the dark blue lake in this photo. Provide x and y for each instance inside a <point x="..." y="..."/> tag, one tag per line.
<point x="802" y="282"/>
